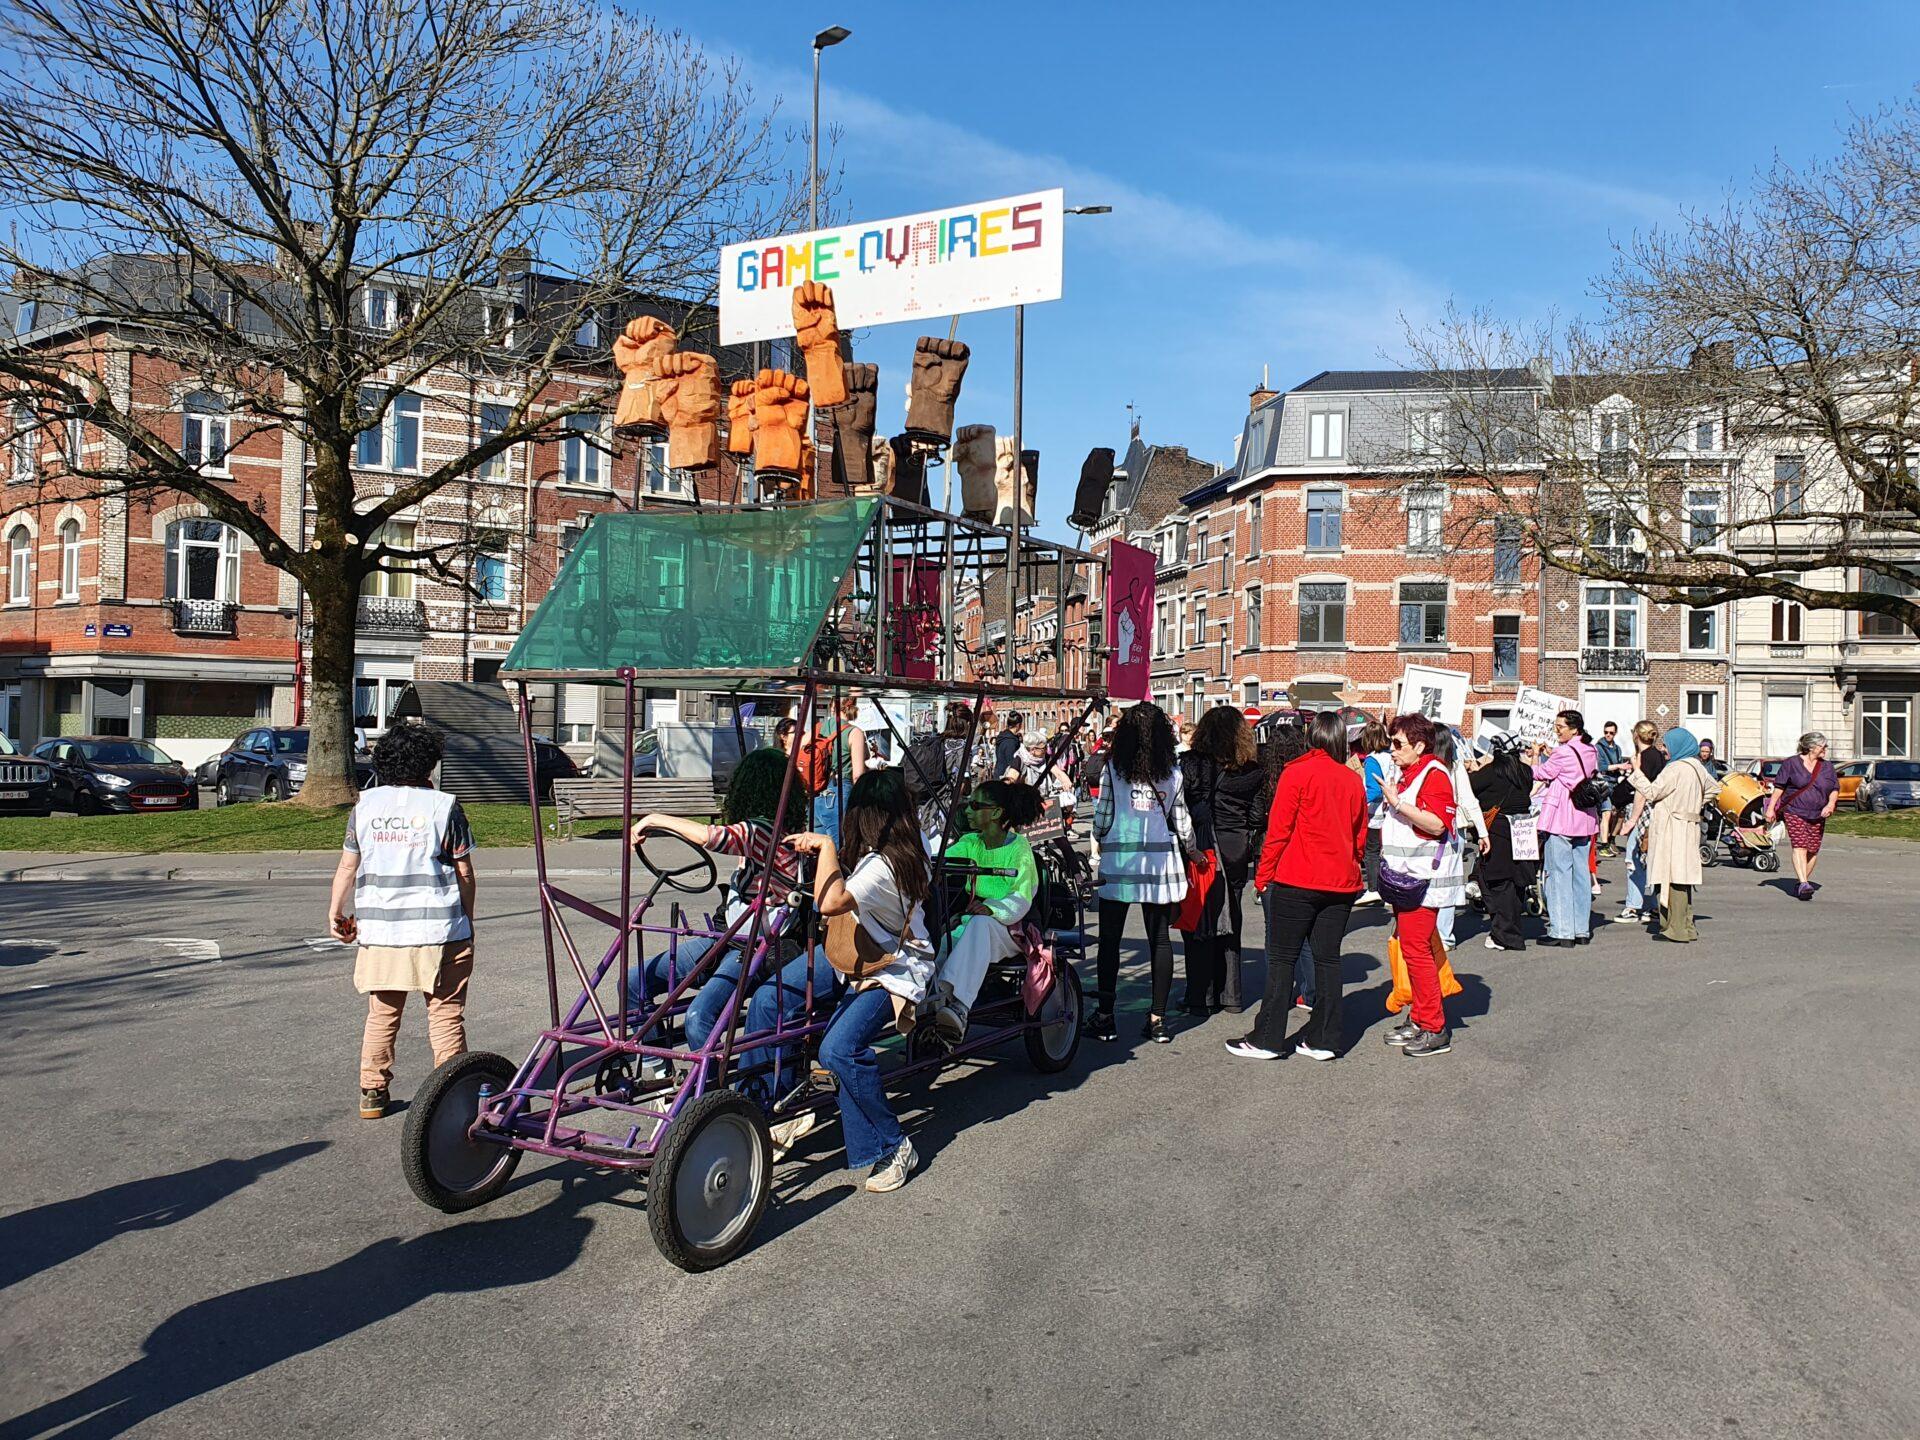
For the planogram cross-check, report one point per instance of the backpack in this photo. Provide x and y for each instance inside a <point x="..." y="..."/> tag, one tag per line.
<point x="925" y="768"/>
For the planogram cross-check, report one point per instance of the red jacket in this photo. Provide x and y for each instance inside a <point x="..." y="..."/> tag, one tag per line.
<point x="1317" y="829"/>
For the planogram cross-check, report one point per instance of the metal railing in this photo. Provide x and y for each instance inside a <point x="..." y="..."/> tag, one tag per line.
<point x="390" y="615"/>
<point x="204" y="617"/>
<point x="1607" y="660"/>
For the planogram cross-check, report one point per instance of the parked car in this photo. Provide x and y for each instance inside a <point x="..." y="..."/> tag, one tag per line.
<point x="1850" y="776"/>
<point x="25" y="783"/>
<point x="1887" y="785"/>
<point x="1767" y="772"/>
<point x="271" y="764"/>
<point x="551" y="763"/>
<point x="96" y="773"/>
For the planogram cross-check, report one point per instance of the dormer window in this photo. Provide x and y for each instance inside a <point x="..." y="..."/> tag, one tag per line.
<point x="377" y="307"/>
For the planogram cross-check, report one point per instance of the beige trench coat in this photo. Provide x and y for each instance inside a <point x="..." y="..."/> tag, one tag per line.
<point x="1672" y="821"/>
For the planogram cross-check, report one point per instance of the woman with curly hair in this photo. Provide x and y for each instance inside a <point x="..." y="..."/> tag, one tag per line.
<point x="1142" y="825"/>
<point x="995" y="903"/>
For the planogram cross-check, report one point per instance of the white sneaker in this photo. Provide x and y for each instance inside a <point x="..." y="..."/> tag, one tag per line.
<point x="1596" y="888"/>
<point x="1368" y="897"/>
<point x="1312" y="1052"/>
<point x="1245" y="1049"/>
<point x="1627" y="917"/>
<point x="1493" y="944"/>
<point x="789" y="1132"/>
<point x="891" y="1174"/>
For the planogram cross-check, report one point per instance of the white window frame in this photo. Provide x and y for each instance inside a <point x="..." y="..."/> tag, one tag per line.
<point x="1327" y="433"/>
<point x="26" y="442"/>
<point x="392" y="584"/>
<point x="69" y="533"/>
<point x="1795" y="482"/>
<point x="506" y="578"/>
<point x="573" y="700"/>
<point x="76" y="440"/>
<point x="19" y="566"/>
<point x="1704" y="501"/>
<point x="404" y="412"/>
<point x="1613" y="608"/>
<point x="205" y="431"/>
<point x="664" y="482"/>
<point x="1426" y="604"/>
<point x="1339" y="514"/>
<point x="1199" y="626"/>
<point x="1427" y="431"/>
<point x="1709" y="429"/>
<point x="1494" y="637"/>
<point x="584" y="462"/>
<point x="1250" y="693"/>
<point x="1300" y="608"/>
<point x="1713" y="645"/>
<point x="1255" y="506"/>
<point x="1688" y="712"/>
<point x="490" y="421"/>
<point x="1426" y="507"/>
<point x="379" y="307"/>
<point x="1509" y="535"/>
<point x="226" y="574"/>
<point x="1256" y="619"/>
<point x="587" y="334"/>
<point x="1888" y="709"/>
<point x="1786" y="623"/>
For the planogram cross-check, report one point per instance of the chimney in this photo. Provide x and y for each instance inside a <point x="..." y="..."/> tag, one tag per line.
<point x="514" y="264"/>
<point x="1713" y="358"/>
<point x="1261" y="394"/>
<point x="1541" y="368"/>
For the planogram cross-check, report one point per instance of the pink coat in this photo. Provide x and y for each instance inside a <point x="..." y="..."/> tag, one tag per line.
<point x="1563" y="768"/>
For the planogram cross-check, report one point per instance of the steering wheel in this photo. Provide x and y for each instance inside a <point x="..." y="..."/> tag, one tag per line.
<point x="700" y="864"/>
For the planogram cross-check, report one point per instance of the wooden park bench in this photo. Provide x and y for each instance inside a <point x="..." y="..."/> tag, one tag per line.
<point x="583" y="798"/>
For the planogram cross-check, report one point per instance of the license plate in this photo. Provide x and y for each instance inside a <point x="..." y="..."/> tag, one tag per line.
<point x="15" y="794"/>
<point x="157" y="800"/>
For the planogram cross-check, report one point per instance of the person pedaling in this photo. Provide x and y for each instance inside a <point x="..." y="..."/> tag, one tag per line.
<point x="1002" y="883"/>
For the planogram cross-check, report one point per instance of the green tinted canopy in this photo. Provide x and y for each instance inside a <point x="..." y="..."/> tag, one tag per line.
<point x="695" y="594"/>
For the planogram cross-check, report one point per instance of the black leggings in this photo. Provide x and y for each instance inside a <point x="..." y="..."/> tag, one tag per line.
<point x="1318" y="917"/>
<point x="1158" y="920"/>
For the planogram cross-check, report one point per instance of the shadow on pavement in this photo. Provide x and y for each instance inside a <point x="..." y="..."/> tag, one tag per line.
<point x="49" y="1235"/>
<point x="230" y="1337"/>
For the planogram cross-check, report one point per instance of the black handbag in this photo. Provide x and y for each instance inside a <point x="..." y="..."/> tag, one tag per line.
<point x="1591" y="793"/>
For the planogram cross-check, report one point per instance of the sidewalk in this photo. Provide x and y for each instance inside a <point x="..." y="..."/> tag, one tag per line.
<point x="568" y="859"/>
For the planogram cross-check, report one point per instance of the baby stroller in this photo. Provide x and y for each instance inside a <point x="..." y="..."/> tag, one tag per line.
<point x="1733" y="823"/>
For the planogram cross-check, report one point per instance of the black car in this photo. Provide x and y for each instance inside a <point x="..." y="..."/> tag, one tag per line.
<point x="96" y="773"/>
<point x="25" y="784"/>
<point x="269" y="764"/>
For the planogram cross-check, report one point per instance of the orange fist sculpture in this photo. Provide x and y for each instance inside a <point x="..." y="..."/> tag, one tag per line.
<point x="974" y="455"/>
<point x="779" y="417"/>
<point x="689" y="390"/>
<point x="638" y="352"/>
<point x="740" y="418"/>
<point x="817" y="329"/>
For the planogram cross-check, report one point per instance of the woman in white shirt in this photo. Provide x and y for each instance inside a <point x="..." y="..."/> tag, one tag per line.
<point x="879" y="872"/>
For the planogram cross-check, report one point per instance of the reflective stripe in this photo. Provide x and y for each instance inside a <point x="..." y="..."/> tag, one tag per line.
<point x="417" y="912"/>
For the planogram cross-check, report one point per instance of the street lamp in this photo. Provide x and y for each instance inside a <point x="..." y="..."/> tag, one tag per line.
<point x="1019" y="475"/>
<point x="832" y="35"/>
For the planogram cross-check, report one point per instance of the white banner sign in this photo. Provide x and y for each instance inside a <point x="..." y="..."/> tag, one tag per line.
<point x="914" y="267"/>
<point x="1440" y="695"/>
<point x="1533" y="712"/>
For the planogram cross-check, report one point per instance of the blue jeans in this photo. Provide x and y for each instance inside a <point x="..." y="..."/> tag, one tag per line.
<point x="866" y="1120"/>
<point x="826" y="812"/>
<point x="1443" y="925"/>
<point x="786" y="996"/>
<point x="1636" y="871"/>
<point x="1569" y="892"/>
<point x="647" y="983"/>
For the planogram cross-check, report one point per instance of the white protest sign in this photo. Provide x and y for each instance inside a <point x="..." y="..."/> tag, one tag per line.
<point x="981" y="256"/>
<point x="1440" y="695"/>
<point x="1533" y="712"/>
<point x="1525" y="830"/>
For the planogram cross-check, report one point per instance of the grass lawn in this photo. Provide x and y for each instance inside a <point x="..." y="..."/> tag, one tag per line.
<point x="1895" y="825"/>
<point x="257" y="826"/>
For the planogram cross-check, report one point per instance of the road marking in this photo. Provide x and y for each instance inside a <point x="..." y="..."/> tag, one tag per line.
<point x="187" y="947"/>
<point x="323" y="942"/>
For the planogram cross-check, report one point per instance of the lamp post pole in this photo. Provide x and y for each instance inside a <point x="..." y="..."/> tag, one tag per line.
<point x="832" y="35"/>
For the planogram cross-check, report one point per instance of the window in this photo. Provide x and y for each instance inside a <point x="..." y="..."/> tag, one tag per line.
<point x="393" y="441"/>
<point x="1423" y="612"/>
<point x="1424" y="509"/>
<point x="1163" y="635"/>
<point x="19" y="566"/>
<point x="1613" y="528"/>
<point x="1703" y="435"/>
<point x="570" y="537"/>
<point x="377" y="307"/>
<point x="374" y="697"/>
<point x="1326" y="434"/>
<point x="579" y="704"/>
<point x="1703" y="625"/>
<point x="1611" y="442"/>
<point x="1199" y="625"/>
<point x="1886" y="726"/>
<point x="582" y="460"/>
<point x="1427" y="433"/>
<point x="1506" y="647"/>
<point x="76" y="440"/>
<point x="1787" y="616"/>
<point x="1226" y="650"/>
<point x="203" y="432"/>
<point x="490" y="578"/>
<point x="1703" y="517"/>
<point x="26" y="441"/>
<point x="1255" y="634"/>
<point x="493" y="422"/>
<point x="1613" y="618"/>
<point x="1506" y="550"/>
<point x="1323" y="613"/>
<point x="1789" y="486"/>
<point x="1196" y="702"/>
<point x="1226" y="558"/>
<point x="1883" y="627"/>
<point x="588" y="335"/>
<point x="70" y="560"/>
<point x="1250" y="693"/>
<point x="1702" y="710"/>
<point x="203" y="561"/>
<point x="1323" y="519"/>
<point x="395" y="583"/>
<point x="1253" y="527"/>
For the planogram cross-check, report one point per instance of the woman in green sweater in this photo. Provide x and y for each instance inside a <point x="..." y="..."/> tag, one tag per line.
<point x="996" y="903"/>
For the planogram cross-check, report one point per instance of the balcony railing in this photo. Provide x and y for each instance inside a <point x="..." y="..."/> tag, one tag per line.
<point x="1597" y="660"/>
<point x="203" y="617"/>
<point x="388" y="615"/>
<point x="1621" y="557"/>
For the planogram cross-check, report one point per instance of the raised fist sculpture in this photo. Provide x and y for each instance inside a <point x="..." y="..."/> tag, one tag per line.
<point x="740" y="418"/>
<point x="1090" y="495"/>
<point x="974" y="455"/>
<point x="638" y="352"/>
<point x="853" y="430"/>
<point x="689" y="390"/>
<point x="779" y="417"/>
<point x="817" y="329"/>
<point x="909" y="470"/>
<point x="881" y="452"/>
<point x="938" y="367"/>
<point x="1004" y="459"/>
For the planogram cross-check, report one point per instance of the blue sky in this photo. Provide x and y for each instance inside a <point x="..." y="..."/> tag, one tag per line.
<point x="1288" y="182"/>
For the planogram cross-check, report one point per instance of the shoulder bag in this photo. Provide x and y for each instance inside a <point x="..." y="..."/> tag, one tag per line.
<point x="1402" y="889"/>
<point x="1592" y="792"/>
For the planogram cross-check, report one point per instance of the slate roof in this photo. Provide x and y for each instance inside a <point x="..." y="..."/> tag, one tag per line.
<point x="1513" y="378"/>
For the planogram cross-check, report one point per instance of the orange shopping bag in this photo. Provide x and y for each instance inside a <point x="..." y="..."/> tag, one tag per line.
<point x="1401" y="995"/>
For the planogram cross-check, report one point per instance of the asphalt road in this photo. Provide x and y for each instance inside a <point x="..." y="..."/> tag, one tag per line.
<point x="1655" y="1190"/>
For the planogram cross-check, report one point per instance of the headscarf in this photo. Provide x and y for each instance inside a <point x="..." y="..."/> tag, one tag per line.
<point x="1680" y="743"/>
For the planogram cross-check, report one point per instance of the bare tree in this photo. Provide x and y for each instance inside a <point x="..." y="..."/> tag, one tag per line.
<point x="1741" y="418"/>
<point x="223" y="187"/>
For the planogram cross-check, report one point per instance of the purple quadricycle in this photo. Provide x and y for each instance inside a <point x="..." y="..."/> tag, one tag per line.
<point x="794" y="606"/>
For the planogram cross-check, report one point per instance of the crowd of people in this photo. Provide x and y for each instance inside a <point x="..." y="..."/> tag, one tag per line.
<point x="1322" y="817"/>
